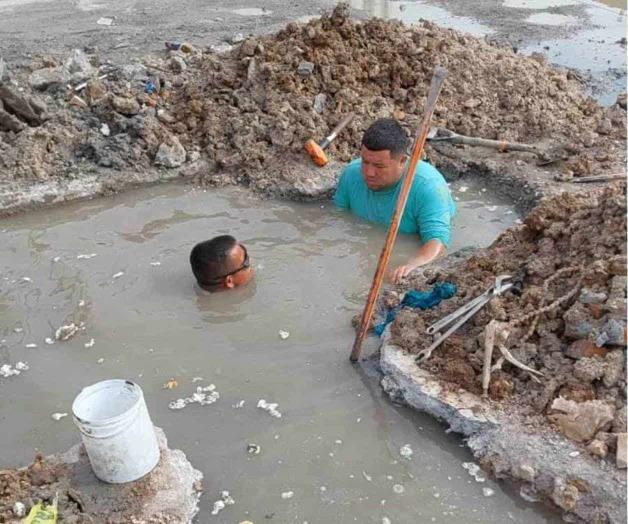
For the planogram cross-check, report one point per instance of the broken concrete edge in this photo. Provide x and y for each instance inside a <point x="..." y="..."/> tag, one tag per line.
<point x="524" y="185"/>
<point x="546" y="465"/>
<point x="170" y="493"/>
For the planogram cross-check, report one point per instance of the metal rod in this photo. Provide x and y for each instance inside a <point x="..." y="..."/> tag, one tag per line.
<point x="417" y="151"/>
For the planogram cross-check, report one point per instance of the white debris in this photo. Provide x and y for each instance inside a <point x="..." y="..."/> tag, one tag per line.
<point x="398" y="489"/>
<point x="56" y="259"/>
<point x="155" y="263"/>
<point x="105" y="20"/>
<point x="283" y="334"/>
<point x="253" y="449"/>
<point x="367" y="476"/>
<point x="18" y="329"/>
<point x="58" y="416"/>
<point x="406" y="451"/>
<point x="118" y="275"/>
<point x="31" y="346"/>
<point x="27" y="279"/>
<point x="287" y="495"/>
<point x="66" y="332"/>
<point x="49" y="341"/>
<point x="21" y="366"/>
<point x="81" y="303"/>
<point x="104" y="129"/>
<point x="224" y="501"/>
<point x="100" y="360"/>
<point x="271" y="408"/>
<point x="203" y="396"/>
<point x="488" y="492"/>
<point x="6" y="370"/>
<point x="475" y="471"/>
<point x="85" y="257"/>
<point x="574" y="454"/>
<point x="19" y="509"/>
<point x="491" y="208"/>
<point x="90" y="344"/>
<point x="463" y="189"/>
<point x="385" y="520"/>
<point x="338" y="441"/>
<point x="239" y="404"/>
<point x="195" y="379"/>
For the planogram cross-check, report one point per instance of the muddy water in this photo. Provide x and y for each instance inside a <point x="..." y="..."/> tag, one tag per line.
<point x="337" y="444"/>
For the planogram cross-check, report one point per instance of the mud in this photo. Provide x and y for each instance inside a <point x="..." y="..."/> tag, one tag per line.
<point x="235" y="117"/>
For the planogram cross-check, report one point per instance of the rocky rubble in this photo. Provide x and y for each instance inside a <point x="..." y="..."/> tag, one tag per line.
<point x="229" y="116"/>
<point x="569" y="243"/>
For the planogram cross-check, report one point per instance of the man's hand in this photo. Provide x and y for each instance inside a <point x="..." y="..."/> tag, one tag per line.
<point x="428" y="252"/>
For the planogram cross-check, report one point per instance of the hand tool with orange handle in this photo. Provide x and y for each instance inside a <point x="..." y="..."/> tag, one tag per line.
<point x="317" y="151"/>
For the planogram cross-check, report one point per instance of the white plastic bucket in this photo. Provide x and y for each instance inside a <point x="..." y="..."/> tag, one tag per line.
<point x="116" y="429"/>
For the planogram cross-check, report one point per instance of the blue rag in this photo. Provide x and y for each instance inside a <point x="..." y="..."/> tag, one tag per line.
<point x="421" y="300"/>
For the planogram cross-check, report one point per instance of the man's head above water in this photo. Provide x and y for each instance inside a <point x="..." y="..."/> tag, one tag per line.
<point x="220" y="263"/>
<point x="383" y="153"/>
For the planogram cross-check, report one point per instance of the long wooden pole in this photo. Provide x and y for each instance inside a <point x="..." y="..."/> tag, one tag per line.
<point x="437" y="83"/>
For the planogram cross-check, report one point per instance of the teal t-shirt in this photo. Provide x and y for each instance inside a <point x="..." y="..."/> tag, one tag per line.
<point x="428" y="212"/>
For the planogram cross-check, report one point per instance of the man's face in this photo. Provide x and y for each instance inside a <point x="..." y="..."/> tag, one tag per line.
<point x="243" y="272"/>
<point x="380" y="170"/>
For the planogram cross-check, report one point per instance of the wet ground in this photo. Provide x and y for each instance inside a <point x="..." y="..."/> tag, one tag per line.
<point x="337" y="445"/>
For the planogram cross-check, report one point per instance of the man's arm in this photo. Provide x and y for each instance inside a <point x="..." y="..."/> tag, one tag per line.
<point x="434" y="226"/>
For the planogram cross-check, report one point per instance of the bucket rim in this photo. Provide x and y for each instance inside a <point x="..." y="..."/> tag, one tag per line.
<point x="103" y="384"/>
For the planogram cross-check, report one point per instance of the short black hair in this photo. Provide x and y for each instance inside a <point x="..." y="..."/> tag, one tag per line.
<point x="386" y="134"/>
<point x="210" y="259"/>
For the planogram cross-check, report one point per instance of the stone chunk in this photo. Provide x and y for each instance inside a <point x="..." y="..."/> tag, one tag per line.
<point x="578" y="322"/>
<point x="125" y="105"/>
<point x="581" y="421"/>
<point x="170" y="154"/>
<point x="622" y="445"/>
<point x="305" y="69"/>
<point x="585" y="348"/>
<point x="42" y="79"/>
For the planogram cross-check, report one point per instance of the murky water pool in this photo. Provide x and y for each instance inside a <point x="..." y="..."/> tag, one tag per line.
<point x="337" y="445"/>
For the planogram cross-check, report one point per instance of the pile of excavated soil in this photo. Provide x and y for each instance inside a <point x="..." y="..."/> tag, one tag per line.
<point x="238" y="111"/>
<point x="571" y="246"/>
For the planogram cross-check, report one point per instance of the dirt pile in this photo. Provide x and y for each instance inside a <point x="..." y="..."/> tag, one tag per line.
<point x="568" y="321"/>
<point x="236" y="112"/>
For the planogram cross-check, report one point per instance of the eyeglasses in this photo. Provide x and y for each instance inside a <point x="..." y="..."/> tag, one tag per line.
<point x="246" y="263"/>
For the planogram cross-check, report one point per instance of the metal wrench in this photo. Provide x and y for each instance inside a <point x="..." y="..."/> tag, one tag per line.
<point x="462" y="314"/>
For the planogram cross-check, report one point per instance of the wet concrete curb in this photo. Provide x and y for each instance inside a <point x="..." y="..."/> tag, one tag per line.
<point x="547" y="466"/>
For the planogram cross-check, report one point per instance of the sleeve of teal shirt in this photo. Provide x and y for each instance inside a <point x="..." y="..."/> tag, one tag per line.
<point x="341" y="196"/>
<point x="434" y="213"/>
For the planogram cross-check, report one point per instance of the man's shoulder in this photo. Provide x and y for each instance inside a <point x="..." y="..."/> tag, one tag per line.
<point x="352" y="173"/>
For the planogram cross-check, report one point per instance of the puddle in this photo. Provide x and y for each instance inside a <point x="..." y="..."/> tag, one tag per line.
<point x="336" y="448"/>
<point x="551" y="19"/>
<point x="251" y="11"/>
<point x="412" y="12"/>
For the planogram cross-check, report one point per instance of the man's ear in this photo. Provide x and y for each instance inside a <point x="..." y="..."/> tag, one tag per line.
<point x="229" y="282"/>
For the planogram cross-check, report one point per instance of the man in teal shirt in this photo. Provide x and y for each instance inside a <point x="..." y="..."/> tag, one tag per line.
<point x="369" y="187"/>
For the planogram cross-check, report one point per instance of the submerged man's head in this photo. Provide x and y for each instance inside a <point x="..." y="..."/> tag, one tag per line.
<point x="383" y="153"/>
<point x="220" y="263"/>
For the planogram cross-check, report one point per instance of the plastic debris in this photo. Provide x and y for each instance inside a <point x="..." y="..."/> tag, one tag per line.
<point x="488" y="492"/>
<point x="386" y="520"/>
<point x="26" y="279"/>
<point x="239" y="404"/>
<point x="42" y="514"/>
<point x="463" y="189"/>
<point x="287" y="495"/>
<point x="31" y="346"/>
<point x="18" y="329"/>
<point x="475" y="471"/>
<point x="398" y="489"/>
<point x="19" y="509"/>
<point x="367" y="476"/>
<point x="6" y="370"/>
<point x="338" y="441"/>
<point x="406" y="451"/>
<point x="56" y="259"/>
<point x="58" y="416"/>
<point x="574" y="454"/>
<point x="105" y="20"/>
<point x="81" y="303"/>
<point x="155" y="263"/>
<point x="271" y="408"/>
<point x="491" y="208"/>
<point x="66" y="332"/>
<point x="118" y="275"/>
<point x="283" y="334"/>
<point x="150" y="87"/>
<point x="237" y="38"/>
<point x="203" y="396"/>
<point x="49" y="341"/>
<point x="253" y="449"/>
<point x="195" y="379"/>
<point x="100" y="360"/>
<point x="90" y="344"/>
<point x="171" y="384"/>
<point x="224" y="501"/>
<point x="91" y="255"/>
